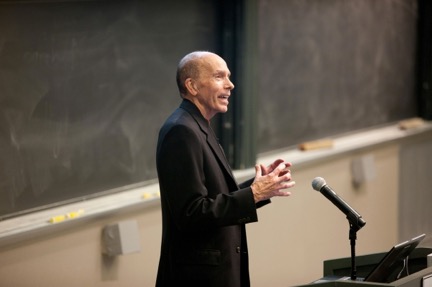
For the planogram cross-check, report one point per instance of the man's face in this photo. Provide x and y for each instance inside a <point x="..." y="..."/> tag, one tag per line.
<point x="213" y="86"/>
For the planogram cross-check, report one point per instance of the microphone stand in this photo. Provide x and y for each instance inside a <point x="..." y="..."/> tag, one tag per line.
<point x="355" y="223"/>
<point x="352" y="237"/>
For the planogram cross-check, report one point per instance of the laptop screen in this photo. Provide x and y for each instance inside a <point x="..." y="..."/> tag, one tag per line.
<point x="393" y="260"/>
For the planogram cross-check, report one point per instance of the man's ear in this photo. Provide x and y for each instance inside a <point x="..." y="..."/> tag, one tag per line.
<point x="191" y="86"/>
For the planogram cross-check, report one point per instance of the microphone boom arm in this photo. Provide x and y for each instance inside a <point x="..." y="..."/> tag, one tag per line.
<point x="355" y="219"/>
<point x="356" y="222"/>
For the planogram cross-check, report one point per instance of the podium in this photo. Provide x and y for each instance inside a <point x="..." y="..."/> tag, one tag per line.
<point x="336" y="272"/>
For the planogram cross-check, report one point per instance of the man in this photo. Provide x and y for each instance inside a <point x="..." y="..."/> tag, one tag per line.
<point x="204" y="210"/>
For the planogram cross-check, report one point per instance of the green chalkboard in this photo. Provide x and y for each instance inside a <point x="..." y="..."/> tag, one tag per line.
<point x="84" y="88"/>
<point x="333" y="67"/>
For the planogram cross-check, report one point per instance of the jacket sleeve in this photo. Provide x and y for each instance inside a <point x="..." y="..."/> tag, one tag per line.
<point x="248" y="183"/>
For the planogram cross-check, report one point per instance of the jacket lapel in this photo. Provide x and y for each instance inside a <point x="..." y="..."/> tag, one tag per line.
<point x="218" y="150"/>
<point x="212" y="141"/>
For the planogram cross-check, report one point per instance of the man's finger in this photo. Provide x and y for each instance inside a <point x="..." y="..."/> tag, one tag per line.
<point x="258" y="171"/>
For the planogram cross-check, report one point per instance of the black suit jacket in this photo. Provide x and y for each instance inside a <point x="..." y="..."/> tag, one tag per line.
<point x="204" y="210"/>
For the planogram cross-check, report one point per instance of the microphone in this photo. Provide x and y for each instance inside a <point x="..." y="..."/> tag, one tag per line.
<point x="319" y="184"/>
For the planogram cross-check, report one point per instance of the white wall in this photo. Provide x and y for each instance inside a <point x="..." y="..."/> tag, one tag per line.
<point x="295" y="235"/>
<point x="287" y="246"/>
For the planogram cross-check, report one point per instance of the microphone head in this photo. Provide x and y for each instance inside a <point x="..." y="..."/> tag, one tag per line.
<point x="318" y="183"/>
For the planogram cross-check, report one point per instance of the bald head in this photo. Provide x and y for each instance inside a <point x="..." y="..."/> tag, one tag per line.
<point x="189" y="67"/>
<point x="204" y="79"/>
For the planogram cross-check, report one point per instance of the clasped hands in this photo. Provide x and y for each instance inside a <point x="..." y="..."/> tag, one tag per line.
<point x="271" y="181"/>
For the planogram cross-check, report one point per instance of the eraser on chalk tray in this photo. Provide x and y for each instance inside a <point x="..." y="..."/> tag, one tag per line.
<point x="411" y="123"/>
<point x="317" y="144"/>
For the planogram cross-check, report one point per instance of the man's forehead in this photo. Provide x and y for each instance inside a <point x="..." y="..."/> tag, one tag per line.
<point x="214" y="64"/>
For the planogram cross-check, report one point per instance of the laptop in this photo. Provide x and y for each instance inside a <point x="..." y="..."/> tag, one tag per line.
<point x="388" y="265"/>
<point x="392" y="260"/>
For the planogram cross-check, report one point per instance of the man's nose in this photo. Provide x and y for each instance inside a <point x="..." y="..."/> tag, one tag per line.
<point x="229" y="84"/>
